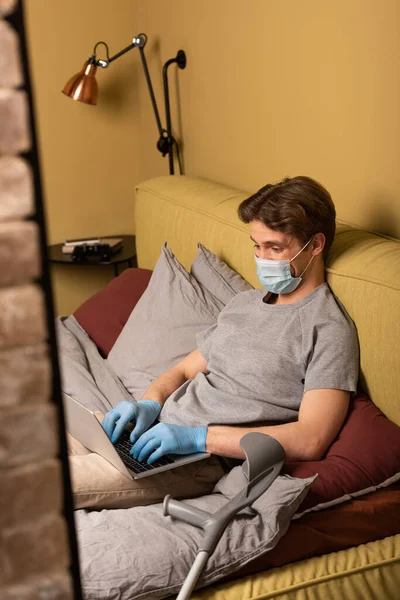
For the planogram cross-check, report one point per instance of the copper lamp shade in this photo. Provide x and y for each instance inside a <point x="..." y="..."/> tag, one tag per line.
<point x="83" y="85"/>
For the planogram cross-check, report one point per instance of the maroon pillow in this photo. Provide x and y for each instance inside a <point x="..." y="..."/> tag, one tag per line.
<point x="104" y="315"/>
<point x="365" y="456"/>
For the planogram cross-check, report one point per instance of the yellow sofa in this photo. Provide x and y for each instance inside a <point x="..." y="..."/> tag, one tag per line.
<point x="363" y="271"/>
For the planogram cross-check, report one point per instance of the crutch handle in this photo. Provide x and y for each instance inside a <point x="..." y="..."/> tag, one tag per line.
<point x="184" y="512"/>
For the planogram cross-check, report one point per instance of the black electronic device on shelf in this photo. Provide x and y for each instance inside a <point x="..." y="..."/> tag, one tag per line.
<point x="92" y="253"/>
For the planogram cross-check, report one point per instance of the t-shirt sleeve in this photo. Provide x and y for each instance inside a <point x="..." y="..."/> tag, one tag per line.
<point x="334" y="362"/>
<point x="205" y="339"/>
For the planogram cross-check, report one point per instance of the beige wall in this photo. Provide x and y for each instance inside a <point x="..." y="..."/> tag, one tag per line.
<point x="271" y="89"/>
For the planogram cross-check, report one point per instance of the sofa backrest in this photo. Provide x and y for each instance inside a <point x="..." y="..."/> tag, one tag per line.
<point x="362" y="267"/>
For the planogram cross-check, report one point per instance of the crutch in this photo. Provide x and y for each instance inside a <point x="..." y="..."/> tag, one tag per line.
<point x="264" y="459"/>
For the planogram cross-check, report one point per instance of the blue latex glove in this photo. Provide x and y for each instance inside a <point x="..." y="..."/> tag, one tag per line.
<point x="143" y="413"/>
<point x="165" y="438"/>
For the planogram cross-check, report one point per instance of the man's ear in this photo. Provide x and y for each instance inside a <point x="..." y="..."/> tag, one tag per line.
<point x="318" y="244"/>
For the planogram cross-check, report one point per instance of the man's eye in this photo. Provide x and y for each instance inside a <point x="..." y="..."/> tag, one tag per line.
<point x="277" y="249"/>
<point x="256" y="246"/>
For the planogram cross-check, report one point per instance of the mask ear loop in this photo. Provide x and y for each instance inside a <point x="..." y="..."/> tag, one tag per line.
<point x="309" y="262"/>
<point x="300" y="251"/>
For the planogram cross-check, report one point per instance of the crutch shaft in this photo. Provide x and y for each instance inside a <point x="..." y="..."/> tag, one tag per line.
<point x="193" y="575"/>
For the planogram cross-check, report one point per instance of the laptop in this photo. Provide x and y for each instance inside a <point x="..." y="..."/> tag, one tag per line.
<point x="84" y="426"/>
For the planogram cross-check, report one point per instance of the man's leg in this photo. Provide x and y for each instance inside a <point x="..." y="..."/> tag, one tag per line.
<point x="97" y="484"/>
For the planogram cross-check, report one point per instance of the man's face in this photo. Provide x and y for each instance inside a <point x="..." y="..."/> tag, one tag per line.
<point x="274" y="245"/>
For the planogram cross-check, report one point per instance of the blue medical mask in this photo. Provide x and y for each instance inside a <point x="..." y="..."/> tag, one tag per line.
<point x="275" y="275"/>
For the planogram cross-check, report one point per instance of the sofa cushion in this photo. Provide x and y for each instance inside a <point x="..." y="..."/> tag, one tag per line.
<point x="364" y="457"/>
<point x="215" y="275"/>
<point x="162" y="329"/>
<point x="104" y="315"/>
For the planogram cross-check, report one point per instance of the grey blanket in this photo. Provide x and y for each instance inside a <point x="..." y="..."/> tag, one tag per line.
<point x="138" y="553"/>
<point x="85" y="375"/>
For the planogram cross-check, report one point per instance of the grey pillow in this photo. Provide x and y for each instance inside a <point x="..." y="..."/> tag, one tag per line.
<point x="162" y="328"/>
<point x="138" y="553"/>
<point x="215" y="276"/>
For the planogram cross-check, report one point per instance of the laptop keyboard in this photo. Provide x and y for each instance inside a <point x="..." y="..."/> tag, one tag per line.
<point x="124" y="445"/>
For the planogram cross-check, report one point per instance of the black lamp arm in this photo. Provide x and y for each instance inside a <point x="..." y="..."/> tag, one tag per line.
<point x="124" y="51"/>
<point x="180" y="59"/>
<point x="138" y="42"/>
<point x="165" y="142"/>
<point x="151" y="91"/>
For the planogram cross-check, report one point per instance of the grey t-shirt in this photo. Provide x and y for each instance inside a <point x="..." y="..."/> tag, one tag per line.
<point x="263" y="357"/>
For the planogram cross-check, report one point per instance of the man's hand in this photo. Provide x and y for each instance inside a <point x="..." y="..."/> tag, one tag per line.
<point x="165" y="438"/>
<point x="143" y="413"/>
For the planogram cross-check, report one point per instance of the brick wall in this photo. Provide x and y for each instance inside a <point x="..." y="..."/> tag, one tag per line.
<point x="34" y="544"/>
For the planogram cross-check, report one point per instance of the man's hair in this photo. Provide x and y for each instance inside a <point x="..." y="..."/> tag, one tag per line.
<point x="299" y="206"/>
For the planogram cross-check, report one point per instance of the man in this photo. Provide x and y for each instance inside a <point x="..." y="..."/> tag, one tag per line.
<point x="282" y="361"/>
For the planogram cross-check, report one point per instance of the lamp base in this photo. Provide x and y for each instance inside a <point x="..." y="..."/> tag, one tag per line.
<point x="181" y="59"/>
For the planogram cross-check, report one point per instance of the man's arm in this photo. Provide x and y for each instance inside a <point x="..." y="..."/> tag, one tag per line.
<point x="172" y="379"/>
<point x="321" y="416"/>
<point x="144" y="413"/>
